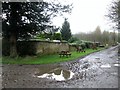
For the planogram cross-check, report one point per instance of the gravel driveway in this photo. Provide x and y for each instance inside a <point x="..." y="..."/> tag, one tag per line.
<point x="97" y="70"/>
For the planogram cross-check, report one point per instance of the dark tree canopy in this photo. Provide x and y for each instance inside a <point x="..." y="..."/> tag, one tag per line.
<point x="22" y="20"/>
<point x="27" y="18"/>
<point x="65" y="31"/>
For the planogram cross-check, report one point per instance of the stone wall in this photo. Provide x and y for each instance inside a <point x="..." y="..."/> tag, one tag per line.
<point x="35" y="47"/>
<point x="72" y="48"/>
<point x="51" y="47"/>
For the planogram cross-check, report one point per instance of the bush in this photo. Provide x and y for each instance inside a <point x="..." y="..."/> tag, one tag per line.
<point x="40" y="36"/>
<point x="26" y="48"/>
<point x="83" y="45"/>
<point x="73" y="39"/>
<point x="78" y="42"/>
<point x="23" y="48"/>
<point x="57" y="36"/>
<point x="44" y="36"/>
<point x="88" y="44"/>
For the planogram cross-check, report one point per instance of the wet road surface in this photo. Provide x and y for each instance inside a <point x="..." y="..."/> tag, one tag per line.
<point x="97" y="70"/>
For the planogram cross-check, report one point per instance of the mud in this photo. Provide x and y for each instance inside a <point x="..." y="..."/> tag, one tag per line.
<point x="97" y="70"/>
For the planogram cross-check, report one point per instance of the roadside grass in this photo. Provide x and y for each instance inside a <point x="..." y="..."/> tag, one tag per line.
<point x="46" y="59"/>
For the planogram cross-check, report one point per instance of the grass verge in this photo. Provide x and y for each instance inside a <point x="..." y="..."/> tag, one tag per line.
<point x="46" y="59"/>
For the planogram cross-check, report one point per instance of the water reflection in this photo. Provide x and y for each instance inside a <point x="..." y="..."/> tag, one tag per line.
<point x="105" y="66"/>
<point x="117" y="65"/>
<point x="57" y="74"/>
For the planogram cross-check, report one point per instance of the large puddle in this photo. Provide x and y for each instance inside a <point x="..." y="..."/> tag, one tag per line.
<point x="57" y="74"/>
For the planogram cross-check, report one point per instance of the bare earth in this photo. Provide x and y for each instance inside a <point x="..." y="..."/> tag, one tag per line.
<point x="97" y="70"/>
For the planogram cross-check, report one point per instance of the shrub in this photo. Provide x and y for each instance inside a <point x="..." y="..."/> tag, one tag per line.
<point x="73" y="39"/>
<point x="57" y="36"/>
<point x="88" y="44"/>
<point x="83" y="45"/>
<point x="23" y="48"/>
<point x="26" y="48"/>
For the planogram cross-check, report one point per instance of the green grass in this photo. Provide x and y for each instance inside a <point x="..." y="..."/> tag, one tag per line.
<point x="46" y="59"/>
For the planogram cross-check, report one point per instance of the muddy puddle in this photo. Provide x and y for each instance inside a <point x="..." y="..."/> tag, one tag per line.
<point x="97" y="58"/>
<point x="117" y="64"/>
<point x="57" y="74"/>
<point x="106" y="66"/>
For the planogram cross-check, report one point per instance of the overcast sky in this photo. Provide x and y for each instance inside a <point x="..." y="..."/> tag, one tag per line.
<point x="87" y="15"/>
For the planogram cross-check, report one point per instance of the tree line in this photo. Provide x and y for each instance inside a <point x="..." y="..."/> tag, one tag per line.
<point x="104" y="37"/>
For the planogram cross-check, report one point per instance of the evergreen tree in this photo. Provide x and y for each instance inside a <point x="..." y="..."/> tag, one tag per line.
<point x="22" y="20"/>
<point x="65" y="31"/>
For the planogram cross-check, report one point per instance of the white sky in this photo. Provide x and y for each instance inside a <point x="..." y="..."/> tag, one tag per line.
<point x="86" y="16"/>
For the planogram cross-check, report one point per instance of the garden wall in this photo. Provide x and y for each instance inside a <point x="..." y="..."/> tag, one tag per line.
<point x="72" y="48"/>
<point x="35" y="47"/>
<point x="51" y="47"/>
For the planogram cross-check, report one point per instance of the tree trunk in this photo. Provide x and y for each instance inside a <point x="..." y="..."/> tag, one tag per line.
<point x="13" y="45"/>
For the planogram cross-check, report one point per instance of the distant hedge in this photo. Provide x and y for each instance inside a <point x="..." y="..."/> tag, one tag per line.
<point x="85" y="44"/>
